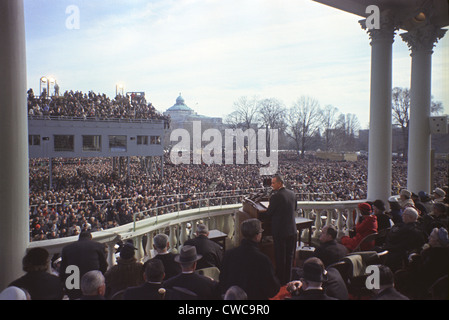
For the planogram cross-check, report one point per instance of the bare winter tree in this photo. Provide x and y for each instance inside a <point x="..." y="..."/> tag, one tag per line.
<point x="303" y="121"/>
<point x="272" y="116"/>
<point x="329" y="116"/>
<point x="348" y="125"/>
<point x="400" y="103"/>
<point x="245" y="114"/>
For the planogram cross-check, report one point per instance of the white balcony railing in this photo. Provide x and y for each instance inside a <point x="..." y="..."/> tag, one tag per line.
<point x="180" y="225"/>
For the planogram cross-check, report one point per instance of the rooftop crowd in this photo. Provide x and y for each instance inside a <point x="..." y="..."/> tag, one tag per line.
<point x="91" y="105"/>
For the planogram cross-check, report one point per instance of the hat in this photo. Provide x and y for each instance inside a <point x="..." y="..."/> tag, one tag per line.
<point x="188" y="255"/>
<point x="393" y="199"/>
<point x="443" y="237"/>
<point x="379" y="204"/>
<point x="36" y="257"/>
<point x="314" y="271"/>
<point x="251" y="227"/>
<point x="406" y="193"/>
<point x="127" y="251"/>
<point x="423" y="196"/>
<point x="439" y="192"/>
<point x="364" y="207"/>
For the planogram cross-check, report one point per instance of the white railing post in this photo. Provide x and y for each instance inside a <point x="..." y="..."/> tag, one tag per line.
<point x="111" y="254"/>
<point x="318" y="224"/>
<point x="329" y="218"/>
<point x="183" y="233"/>
<point x="340" y="224"/>
<point x="149" y="245"/>
<point x="139" y="245"/>
<point x="350" y="220"/>
<point x="173" y="240"/>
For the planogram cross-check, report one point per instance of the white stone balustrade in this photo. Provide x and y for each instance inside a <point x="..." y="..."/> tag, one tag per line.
<point x="181" y="225"/>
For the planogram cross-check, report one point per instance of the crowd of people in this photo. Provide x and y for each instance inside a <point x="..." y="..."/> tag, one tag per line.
<point x="91" y="105"/>
<point x="87" y="194"/>
<point x="203" y="270"/>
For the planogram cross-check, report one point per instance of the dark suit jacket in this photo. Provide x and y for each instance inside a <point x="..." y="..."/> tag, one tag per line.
<point x="86" y="254"/>
<point x="146" y="291"/>
<point x="281" y="210"/>
<point x="247" y="267"/>
<point x="330" y="252"/>
<point x="211" y="251"/>
<point x="40" y="285"/>
<point x="204" y="287"/>
<point x="313" y="294"/>
<point x="172" y="268"/>
<point x="389" y="294"/>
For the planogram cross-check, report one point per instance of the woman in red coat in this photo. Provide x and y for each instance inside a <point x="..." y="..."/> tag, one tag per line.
<point x="367" y="225"/>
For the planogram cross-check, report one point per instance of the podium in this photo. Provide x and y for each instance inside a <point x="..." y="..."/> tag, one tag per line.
<point x="252" y="207"/>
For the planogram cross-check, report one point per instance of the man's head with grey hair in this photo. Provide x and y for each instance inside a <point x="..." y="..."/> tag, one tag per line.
<point x="160" y="242"/>
<point x="202" y="229"/>
<point x="93" y="283"/>
<point x="409" y="215"/>
<point x="251" y="228"/>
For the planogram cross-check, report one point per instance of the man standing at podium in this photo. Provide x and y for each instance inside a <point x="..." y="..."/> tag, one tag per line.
<point x="281" y="211"/>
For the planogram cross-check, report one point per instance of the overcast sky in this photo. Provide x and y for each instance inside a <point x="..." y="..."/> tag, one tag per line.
<point x="213" y="52"/>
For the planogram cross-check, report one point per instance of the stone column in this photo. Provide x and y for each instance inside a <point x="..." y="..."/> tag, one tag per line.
<point x="421" y="41"/>
<point x="14" y="179"/>
<point x="380" y="135"/>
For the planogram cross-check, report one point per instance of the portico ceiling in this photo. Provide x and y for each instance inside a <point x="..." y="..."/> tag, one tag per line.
<point x="405" y="12"/>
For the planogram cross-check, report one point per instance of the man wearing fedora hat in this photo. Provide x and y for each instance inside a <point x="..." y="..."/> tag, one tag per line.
<point x="310" y="287"/>
<point x="202" y="287"/>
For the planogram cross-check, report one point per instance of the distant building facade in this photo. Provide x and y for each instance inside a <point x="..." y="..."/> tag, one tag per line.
<point x="440" y="142"/>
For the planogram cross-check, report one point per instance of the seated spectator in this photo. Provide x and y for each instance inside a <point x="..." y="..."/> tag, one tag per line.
<point x="437" y="218"/>
<point x="402" y="239"/>
<point x="128" y="272"/>
<point x="383" y="220"/>
<point x="405" y="199"/>
<point x="235" y="293"/>
<point x="161" y="245"/>
<point x="330" y="251"/>
<point x="203" y="287"/>
<point x="426" y="266"/>
<point x="395" y="210"/>
<point x="151" y="289"/>
<point x="93" y="286"/>
<point x="211" y="251"/>
<point x="247" y="267"/>
<point x="366" y="225"/>
<point x="386" y="290"/>
<point x="426" y="201"/>
<point x="38" y="282"/>
<point x="14" y="293"/>
<point x="438" y="195"/>
<point x="310" y="286"/>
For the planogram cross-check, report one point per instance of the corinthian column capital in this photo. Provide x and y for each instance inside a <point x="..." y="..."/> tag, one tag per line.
<point x="423" y="39"/>
<point x="385" y="32"/>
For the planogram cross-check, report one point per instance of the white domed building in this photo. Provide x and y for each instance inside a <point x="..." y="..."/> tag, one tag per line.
<point x="182" y="116"/>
